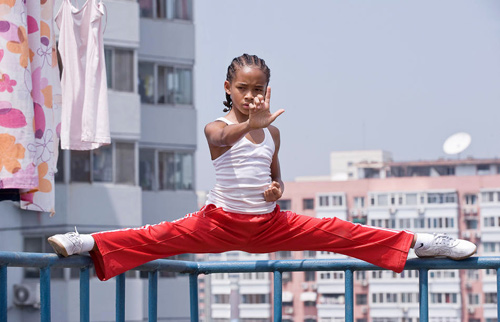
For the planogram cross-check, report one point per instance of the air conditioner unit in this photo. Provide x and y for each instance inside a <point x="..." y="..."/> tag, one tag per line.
<point x="478" y="235"/>
<point x="288" y="309"/>
<point x="314" y="286"/>
<point x="27" y="294"/>
<point x="305" y="286"/>
<point x="405" y="309"/>
<point x="466" y="234"/>
<point x="392" y="210"/>
<point x="364" y="283"/>
<point x="468" y="285"/>
<point x="466" y="211"/>
<point x="472" y="310"/>
<point x="421" y="210"/>
<point x="364" y="310"/>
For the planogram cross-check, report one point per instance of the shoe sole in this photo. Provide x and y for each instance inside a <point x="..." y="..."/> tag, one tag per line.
<point x="454" y="258"/>
<point x="57" y="246"/>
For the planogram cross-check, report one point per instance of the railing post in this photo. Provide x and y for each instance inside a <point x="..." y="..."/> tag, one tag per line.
<point x="349" y="296"/>
<point x="153" y="296"/>
<point x="84" y="295"/>
<point x="45" y="294"/>
<point x="278" y="295"/>
<point x="120" y="298"/>
<point x="193" y="297"/>
<point x="498" y="293"/>
<point x="423" y="286"/>
<point x="3" y="292"/>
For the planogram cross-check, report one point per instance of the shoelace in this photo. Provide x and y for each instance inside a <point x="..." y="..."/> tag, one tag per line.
<point x="443" y="239"/>
<point x="75" y="239"/>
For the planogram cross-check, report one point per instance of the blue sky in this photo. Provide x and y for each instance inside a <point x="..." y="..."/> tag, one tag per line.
<point x="395" y="75"/>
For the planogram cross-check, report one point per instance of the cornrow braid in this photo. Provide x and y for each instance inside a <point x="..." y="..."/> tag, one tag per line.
<point x="238" y="63"/>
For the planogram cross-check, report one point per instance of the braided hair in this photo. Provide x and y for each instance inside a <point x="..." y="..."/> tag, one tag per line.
<point x="238" y="63"/>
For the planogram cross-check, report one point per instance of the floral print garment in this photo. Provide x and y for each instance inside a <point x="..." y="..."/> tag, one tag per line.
<point x="30" y="101"/>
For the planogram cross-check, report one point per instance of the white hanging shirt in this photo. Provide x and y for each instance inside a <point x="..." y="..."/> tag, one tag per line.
<point x="84" y="119"/>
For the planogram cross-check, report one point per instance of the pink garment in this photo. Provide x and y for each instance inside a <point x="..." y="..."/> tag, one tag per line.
<point x="30" y="97"/>
<point x="85" y="120"/>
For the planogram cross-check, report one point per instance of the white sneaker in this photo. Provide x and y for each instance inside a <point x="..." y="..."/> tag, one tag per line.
<point x="445" y="246"/>
<point x="66" y="244"/>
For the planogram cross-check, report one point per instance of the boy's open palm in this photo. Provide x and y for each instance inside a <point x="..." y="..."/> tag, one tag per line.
<point x="259" y="114"/>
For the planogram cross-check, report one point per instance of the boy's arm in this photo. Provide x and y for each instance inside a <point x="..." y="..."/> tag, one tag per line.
<point x="276" y="189"/>
<point x="219" y="134"/>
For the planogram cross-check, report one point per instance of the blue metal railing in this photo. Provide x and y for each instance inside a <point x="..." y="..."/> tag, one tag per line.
<point x="47" y="261"/>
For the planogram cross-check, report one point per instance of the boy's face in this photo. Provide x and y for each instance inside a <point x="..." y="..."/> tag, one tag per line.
<point x="247" y="84"/>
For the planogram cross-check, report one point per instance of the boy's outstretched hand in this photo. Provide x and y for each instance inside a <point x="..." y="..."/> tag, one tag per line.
<point x="259" y="115"/>
<point x="273" y="193"/>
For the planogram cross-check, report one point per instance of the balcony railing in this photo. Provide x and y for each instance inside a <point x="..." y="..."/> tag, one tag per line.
<point x="47" y="261"/>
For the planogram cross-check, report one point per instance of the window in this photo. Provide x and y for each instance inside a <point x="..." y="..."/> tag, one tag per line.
<point x="308" y="203"/>
<point x="284" y="254"/>
<point x="471" y="223"/>
<point x="443" y="298"/>
<point x="166" y="9"/>
<point x="102" y="165"/>
<point x="483" y="169"/>
<point x="391" y="297"/>
<point x="105" y="168"/>
<point x="361" y="299"/>
<point x="411" y="199"/>
<point x="487" y="196"/>
<point x="174" y="170"/>
<point x="309" y="276"/>
<point x="59" y="175"/>
<point x="162" y="84"/>
<point x="221" y="298"/>
<point x="80" y="166"/>
<point x="119" y="69"/>
<point x="324" y="201"/>
<point x="470" y="199"/>
<point x="254" y="298"/>
<point x="337" y="200"/>
<point x="309" y="254"/>
<point x="473" y="299"/>
<point x="434" y="198"/>
<point x="382" y="200"/>
<point x="359" y="202"/>
<point x="147" y="169"/>
<point x="490" y="298"/>
<point x="285" y="204"/>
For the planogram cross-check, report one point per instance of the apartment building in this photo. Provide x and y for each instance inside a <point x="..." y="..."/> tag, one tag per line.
<point x="459" y="197"/>
<point x="144" y="177"/>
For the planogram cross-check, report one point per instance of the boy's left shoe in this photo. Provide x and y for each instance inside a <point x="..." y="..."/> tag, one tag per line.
<point x="443" y="245"/>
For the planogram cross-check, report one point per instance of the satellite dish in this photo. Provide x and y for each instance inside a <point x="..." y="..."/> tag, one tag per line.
<point x="456" y="143"/>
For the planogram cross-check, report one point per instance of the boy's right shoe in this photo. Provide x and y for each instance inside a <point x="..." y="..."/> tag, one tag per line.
<point x="66" y="244"/>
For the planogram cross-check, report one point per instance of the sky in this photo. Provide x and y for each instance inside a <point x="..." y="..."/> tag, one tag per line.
<point x="400" y="76"/>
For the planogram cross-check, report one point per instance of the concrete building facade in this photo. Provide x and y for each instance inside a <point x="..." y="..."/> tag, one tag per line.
<point x="144" y="177"/>
<point x="458" y="197"/>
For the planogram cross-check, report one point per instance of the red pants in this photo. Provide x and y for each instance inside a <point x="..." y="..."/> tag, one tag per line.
<point x="212" y="230"/>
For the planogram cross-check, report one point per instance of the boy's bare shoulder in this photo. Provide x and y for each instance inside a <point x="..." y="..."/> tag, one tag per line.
<point x="274" y="130"/>
<point x="214" y="125"/>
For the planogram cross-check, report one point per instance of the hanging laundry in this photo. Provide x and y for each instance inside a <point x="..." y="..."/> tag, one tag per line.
<point x="30" y="102"/>
<point x="85" y="120"/>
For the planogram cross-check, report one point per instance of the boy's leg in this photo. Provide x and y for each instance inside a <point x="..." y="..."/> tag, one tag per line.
<point x="120" y="250"/>
<point x="386" y="248"/>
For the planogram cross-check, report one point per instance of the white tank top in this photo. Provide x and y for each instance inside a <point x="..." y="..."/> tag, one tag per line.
<point x="242" y="174"/>
<point x="84" y="115"/>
